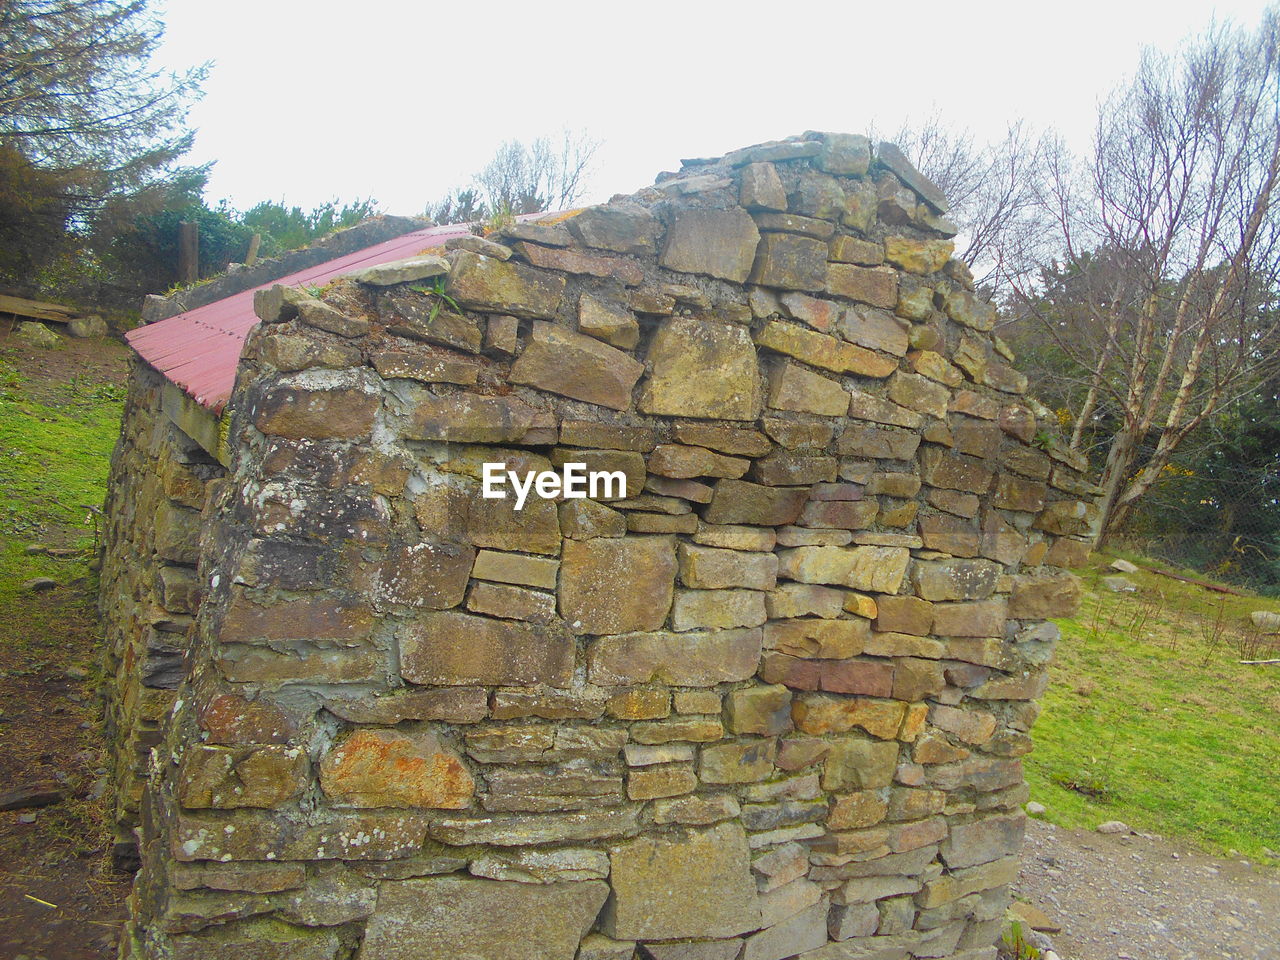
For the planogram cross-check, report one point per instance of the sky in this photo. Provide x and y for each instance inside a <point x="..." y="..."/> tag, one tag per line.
<point x="404" y="101"/>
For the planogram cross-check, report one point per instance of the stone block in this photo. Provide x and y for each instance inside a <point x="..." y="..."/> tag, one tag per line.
<point x="717" y="609"/>
<point x="719" y="243"/>
<point x="431" y="917"/>
<point x="817" y="639"/>
<point x="763" y="710"/>
<point x="506" y="287"/>
<point x="694" y="659"/>
<point x="1045" y="596"/>
<point x="983" y="618"/>
<point x="761" y="188"/>
<point x="917" y="256"/>
<point x="386" y="768"/>
<point x="955" y="579"/>
<point x="448" y="648"/>
<point x="740" y="502"/>
<point x="229" y="777"/>
<point x="871" y="569"/>
<point x="877" y="286"/>
<point x="741" y="761"/>
<point x="694" y="885"/>
<point x="879" y="443"/>
<point x="681" y="462"/>
<point x="823" y="351"/>
<point x="702" y="368"/>
<point x="621" y="227"/>
<point x="517" y="568"/>
<point x="819" y="715"/>
<point x="709" y="568"/>
<point x="790" y="262"/>
<point x="611" y="322"/>
<point x="561" y="361"/>
<point x="792" y="387"/>
<point x="859" y="763"/>
<point x="617" y="585"/>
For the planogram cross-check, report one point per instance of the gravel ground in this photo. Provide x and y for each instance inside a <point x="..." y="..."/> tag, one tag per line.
<point x="1140" y="897"/>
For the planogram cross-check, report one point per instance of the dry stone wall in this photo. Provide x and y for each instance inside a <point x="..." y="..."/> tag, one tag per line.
<point x="767" y="701"/>
<point x="149" y="590"/>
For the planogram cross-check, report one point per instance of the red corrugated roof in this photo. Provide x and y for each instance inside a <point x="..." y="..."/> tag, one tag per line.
<point x="200" y="349"/>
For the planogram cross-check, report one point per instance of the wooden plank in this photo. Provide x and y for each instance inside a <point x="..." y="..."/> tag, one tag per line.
<point x="36" y="309"/>
<point x="188" y="251"/>
<point x="199" y="423"/>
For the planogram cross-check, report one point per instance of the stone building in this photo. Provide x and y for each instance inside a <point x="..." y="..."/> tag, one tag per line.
<point x="765" y="698"/>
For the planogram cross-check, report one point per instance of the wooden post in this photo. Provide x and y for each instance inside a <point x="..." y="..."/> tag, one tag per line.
<point x="252" y="256"/>
<point x="188" y="252"/>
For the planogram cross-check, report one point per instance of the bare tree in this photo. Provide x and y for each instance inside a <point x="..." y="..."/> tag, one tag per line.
<point x="523" y="178"/>
<point x="1170" y="237"/>
<point x="994" y="191"/>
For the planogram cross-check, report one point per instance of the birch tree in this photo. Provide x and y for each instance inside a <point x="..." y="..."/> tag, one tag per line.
<point x="1169" y="234"/>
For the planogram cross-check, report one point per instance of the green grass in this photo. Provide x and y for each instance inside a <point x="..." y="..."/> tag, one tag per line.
<point x="55" y="446"/>
<point x="1150" y="719"/>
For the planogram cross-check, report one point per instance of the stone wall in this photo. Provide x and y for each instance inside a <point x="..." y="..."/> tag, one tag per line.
<point x="240" y="277"/>
<point x="768" y="702"/>
<point x="149" y="588"/>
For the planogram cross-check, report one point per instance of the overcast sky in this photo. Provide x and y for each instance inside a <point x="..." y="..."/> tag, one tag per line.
<point x="402" y="101"/>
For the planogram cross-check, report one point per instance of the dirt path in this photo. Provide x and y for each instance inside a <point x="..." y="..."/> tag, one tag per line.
<point x="1144" y="898"/>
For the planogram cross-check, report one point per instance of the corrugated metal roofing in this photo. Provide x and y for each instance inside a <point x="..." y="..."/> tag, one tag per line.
<point x="200" y="349"/>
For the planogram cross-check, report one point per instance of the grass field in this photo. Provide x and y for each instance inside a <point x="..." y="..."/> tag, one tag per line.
<point x="55" y="445"/>
<point x="1151" y="719"/>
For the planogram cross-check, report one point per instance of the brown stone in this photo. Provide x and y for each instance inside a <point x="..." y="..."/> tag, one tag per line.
<point x="735" y="441"/>
<point x="451" y="704"/>
<point x="919" y="394"/>
<point x="702" y="368"/>
<point x="858" y="763"/>
<point x="1014" y="493"/>
<point x="386" y="768"/>
<point x="512" y="603"/>
<point x="608" y="321"/>
<point x="498" y="920"/>
<point x="790" y="262"/>
<point x="482" y="283"/>
<point x="983" y="618"/>
<point x="739" y="502"/>
<point x="709" y="568"/>
<point x="821" y="350"/>
<point x="617" y="585"/>
<point x="820" y="715"/>
<point x="793" y="387"/>
<point x="472" y="418"/>
<point x="692" y="659"/>
<point x="763" y="710"/>
<point x="863" y="406"/>
<point x="818" y="639"/>
<point x="229" y="777"/>
<point x="874" y="569"/>
<point x="585" y="519"/>
<point x="741" y="761"/>
<point x="1045" y="596"/>
<point x="457" y="649"/>
<point x="717" y="609"/>
<point x="816" y="312"/>
<point x="693" y="885"/>
<point x="917" y="256"/>
<point x="877" y="286"/>
<point x="847" y="249"/>
<point x="683" y="462"/>
<point x="761" y="188"/>
<point x="877" y="443"/>
<point x="230" y="719"/>
<point x="561" y="361"/>
<point x="719" y="243"/>
<point x="426" y="574"/>
<point x="955" y="579"/>
<point x="428" y="368"/>
<point x="345" y="411"/>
